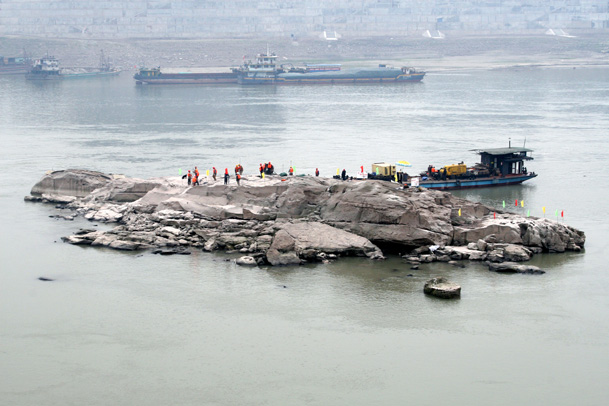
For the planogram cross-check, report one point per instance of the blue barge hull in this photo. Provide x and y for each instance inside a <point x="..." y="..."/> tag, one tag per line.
<point x="452" y="184"/>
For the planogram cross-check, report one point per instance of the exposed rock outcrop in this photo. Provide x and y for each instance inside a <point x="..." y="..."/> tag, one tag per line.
<point x="297" y="219"/>
<point x="442" y="288"/>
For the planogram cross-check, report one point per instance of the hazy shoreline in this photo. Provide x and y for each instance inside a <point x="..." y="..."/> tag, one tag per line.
<point x="451" y="54"/>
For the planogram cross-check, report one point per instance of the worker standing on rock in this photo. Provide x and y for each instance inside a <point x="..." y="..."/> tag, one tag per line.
<point x="195" y="180"/>
<point x="214" y="172"/>
<point x="226" y="176"/>
<point x="238" y="176"/>
<point x="197" y="172"/>
<point x="189" y="177"/>
<point x="261" y="170"/>
<point x="343" y="175"/>
<point x="316" y="172"/>
<point x="291" y="171"/>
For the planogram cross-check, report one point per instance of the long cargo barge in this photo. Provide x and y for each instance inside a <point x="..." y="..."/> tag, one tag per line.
<point x="264" y="71"/>
<point x="154" y="76"/>
<point x="14" y="65"/>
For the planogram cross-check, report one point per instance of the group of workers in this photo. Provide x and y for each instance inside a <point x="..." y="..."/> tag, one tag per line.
<point x="193" y="177"/>
<point x="266" y="169"/>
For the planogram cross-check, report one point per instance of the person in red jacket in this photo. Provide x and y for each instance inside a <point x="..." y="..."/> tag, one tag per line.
<point x="226" y="176"/>
<point x="316" y="172"/>
<point x="214" y="172"/>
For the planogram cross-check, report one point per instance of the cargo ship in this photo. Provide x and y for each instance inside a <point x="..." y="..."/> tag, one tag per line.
<point x="154" y="76"/>
<point x="497" y="167"/>
<point x="47" y="68"/>
<point x="14" y="65"/>
<point x="265" y="71"/>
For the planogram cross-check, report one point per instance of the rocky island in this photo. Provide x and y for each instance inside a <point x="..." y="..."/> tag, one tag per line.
<point x="292" y="220"/>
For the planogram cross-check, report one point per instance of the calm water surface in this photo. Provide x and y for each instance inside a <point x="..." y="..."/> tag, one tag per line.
<point x="123" y="329"/>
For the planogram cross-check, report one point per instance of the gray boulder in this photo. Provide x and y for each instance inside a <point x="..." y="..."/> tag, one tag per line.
<point x="72" y="182"/>
<point x="442" y="288"/>
<point x="246" y="261"/>
<point x="512" y="267"/>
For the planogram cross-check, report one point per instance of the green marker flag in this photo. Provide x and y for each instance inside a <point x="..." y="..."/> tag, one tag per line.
<point x="528" y="213"/>
<point x="377" y="171"/>
<point x="556" y="213"/>
<point x="180" y="171"/>
<point x="504" y="204"/>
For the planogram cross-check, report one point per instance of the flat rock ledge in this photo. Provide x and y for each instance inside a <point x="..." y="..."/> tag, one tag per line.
<point x="442" y="288"/>
<point x="292" y="220"/>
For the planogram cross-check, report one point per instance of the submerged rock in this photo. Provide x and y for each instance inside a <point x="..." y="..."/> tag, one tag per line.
<point x="512" y="267"/>
<point x="246" y="261"/>
<point x="442" y="288"/>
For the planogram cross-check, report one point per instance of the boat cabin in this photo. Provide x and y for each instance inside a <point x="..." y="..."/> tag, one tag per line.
<point x="149" y="72"/>
<point x="505" y="161"/>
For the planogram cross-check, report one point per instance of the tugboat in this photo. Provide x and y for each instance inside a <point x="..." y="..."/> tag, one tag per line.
<point x="47" y="68"/>
<point x="265" y="71"/>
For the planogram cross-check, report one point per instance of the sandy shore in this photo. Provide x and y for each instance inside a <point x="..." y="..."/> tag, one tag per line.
<point x="464" y="53"/>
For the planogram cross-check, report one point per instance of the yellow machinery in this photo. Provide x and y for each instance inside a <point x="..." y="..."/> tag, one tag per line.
<point x="455" y="170"/>
<point x="383" y="169"/>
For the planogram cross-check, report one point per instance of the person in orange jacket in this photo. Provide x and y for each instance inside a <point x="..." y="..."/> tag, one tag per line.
<point x="316" y="172"/>
<point x="214" y="172"/>
<point x="226" y="176"/>
<point x="189" y="177"/>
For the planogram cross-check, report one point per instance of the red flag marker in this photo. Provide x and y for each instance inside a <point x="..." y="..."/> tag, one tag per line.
<point x="516" y="203"/>
<point x="494" y="215"/>
<point x="562" y="213"/>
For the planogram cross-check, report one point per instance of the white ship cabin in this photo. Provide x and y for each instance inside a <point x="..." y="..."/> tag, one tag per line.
<point x="48" y="64"/>
<point x="264" y="63"/>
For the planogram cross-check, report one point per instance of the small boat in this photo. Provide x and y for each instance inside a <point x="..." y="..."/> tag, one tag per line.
<point x="264" y="70"/>
<point x="497" y="167"/>
<point x="154" y="76"/>
<point x="47" y="68"/>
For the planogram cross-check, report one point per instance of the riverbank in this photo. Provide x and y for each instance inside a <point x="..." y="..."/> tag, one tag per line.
<point x="461" y="53"/>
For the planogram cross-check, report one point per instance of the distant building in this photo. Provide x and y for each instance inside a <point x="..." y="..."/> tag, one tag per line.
<point x="303" y="18"/>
